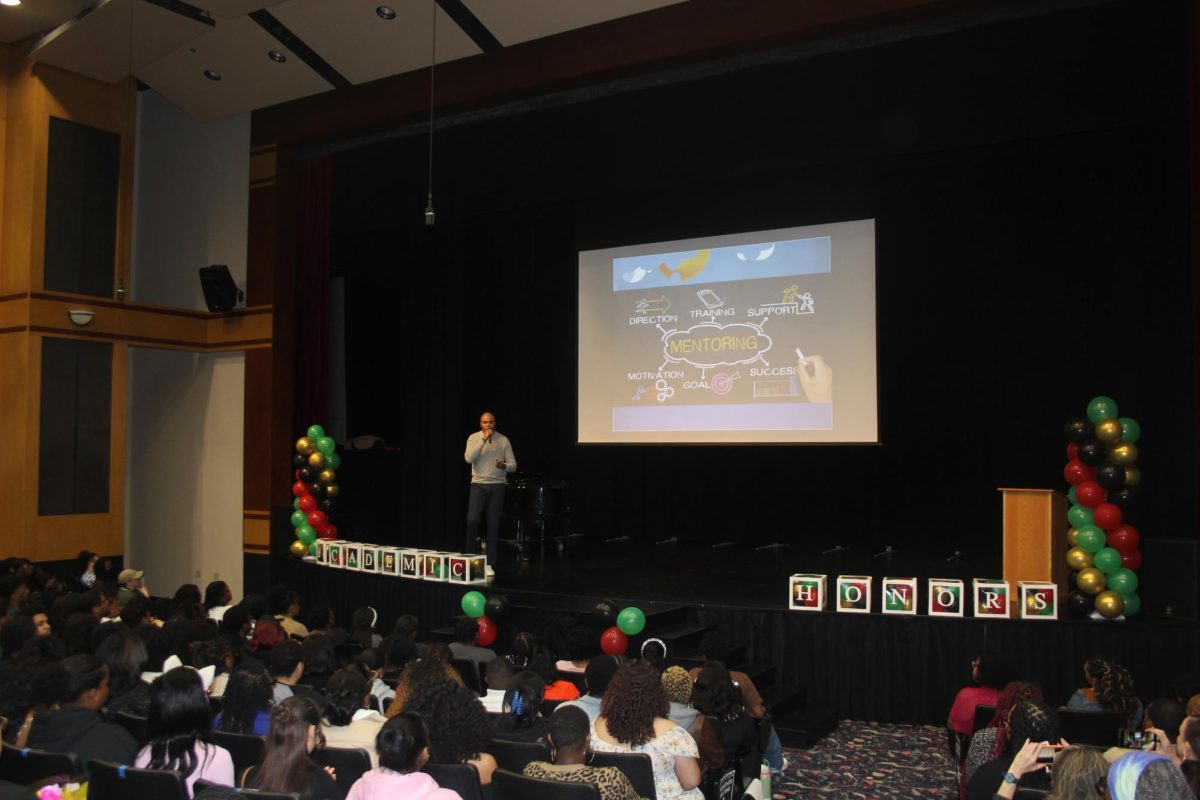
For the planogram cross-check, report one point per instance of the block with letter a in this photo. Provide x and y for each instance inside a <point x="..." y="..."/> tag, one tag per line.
<point x="945" y="597"/>
<point x="352" y="553"/>
<point x="854" y="594"/>
<point x="1039" y="599"/>
<point x="806" y="592"/>
<point x="900" y="595"/>
<point x="991" y="597"/>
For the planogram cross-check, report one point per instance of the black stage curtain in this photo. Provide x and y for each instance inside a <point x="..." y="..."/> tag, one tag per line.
<point x="1029" y="182"/>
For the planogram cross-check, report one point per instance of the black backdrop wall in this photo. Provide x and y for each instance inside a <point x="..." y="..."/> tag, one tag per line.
<point x="1029" y="182"/>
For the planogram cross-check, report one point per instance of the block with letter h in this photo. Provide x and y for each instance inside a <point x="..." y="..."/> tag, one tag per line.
<point x="854" y="594"/>
<point x="1039" y="600"/>
<point x="806" y="592"/>
<point x="900" y="595"/>
<point x="467" y="568"/>
<point x="945" y="597"/>
<point x="991" y="598"/>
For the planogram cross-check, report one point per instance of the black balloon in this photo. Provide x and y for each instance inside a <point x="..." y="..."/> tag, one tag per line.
<point x="1080" y="430"/>
<point x="307" y="474"/>
<point x="1091" y="452"/>
<point x="1072" y="582"/>
<point x="1126" y="499"/>
<point x="1110" y="476"/>
<point x="299" y="461"/>
<point x="317" y="490"/>
<point x="605" y="613"/>
<point x="497" y="607"/>
<point x="327" y="505"/>
<point x="1080" y="604"/>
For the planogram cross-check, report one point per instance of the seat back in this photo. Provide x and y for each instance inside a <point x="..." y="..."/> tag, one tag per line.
<point x="133" y="723"/>
<point x="26" y="765"/>
<point x="245" y="749"/>
<point x="983" y="715"/>
<point x="636" y="766"/>
<point x="207" y="790"/>
<point x="513" y="756"/>
<point x="111" y="781"/>
<point x="470" y="674"/>
<point x="1031" y="792"/>
<point x="461" y="778"/>
<point x="512" y="786"/>
<point x="1097" y="728"/>
<point x="348" y="762"/>
<point x="721" y="783"/>
<point x="547" y="707"/>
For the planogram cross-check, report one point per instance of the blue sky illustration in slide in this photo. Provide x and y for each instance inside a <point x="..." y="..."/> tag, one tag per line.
<point x="735" y="263"/>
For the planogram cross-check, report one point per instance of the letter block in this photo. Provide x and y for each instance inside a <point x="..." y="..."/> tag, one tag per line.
<point x="1039" y="599"/>
<point x="806" y="592"/>
<point x="946" y="597"/>
<point x="389" y="561"/>
<point x="899" y="596"/>
<point x="436" y="564"/>
<point x="411" y="563"/>
<point x="854" y="594"/>
<point x="334" y="554"/>
<point x="352" y="555"/>
<point x="322" y="548"/>
<point x="461" y="569"/>
<point x="991" y="597"/>
<point x="370" y="557"/>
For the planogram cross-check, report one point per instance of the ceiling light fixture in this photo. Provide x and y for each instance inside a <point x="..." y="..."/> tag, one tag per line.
<point x="10" y="2"/>
<point x="212" y="74"/>
<point x="276" y="56"/>
<point x="432" y="64"/>
<point x="386" y="13"/>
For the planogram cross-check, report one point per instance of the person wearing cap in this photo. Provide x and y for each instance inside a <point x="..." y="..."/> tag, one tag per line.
<point x="131" y="585"/>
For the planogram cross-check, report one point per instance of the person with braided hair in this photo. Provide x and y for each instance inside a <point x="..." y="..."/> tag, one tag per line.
<point x="992" y="740"/>
<point x="1029" y="721"/>
<point x="348" y="722"/>
<point x="1110" y="688"/>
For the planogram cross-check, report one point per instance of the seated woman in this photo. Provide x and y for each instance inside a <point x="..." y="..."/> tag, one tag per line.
<point x="1029" y="722"/>
<point x="1186" y="746"/>
<point x="580" y="648"/>
<point x="348" y="720"/>
<point x="990" y="673"/>
<point x="520" y="717"/>
<point x="991" y="741"/>
<point x="178" y="729"/>
<point x="403" y="746"/>
<point x="633" y="720"/>
<point x="1146" y="776"/>
<point x="553" y="687"/>
<point x="286" y="766"/>
<point x="125" y="654"/>
<point x="459" y="733"/>
<point x="1077" y="774"/>
<point x="246" y="703"/>
<point x="569" y="738"/>
<point x="1109" y="688"/>
<point x="715" y="696"/>
<point x="678" y="687"/>
<point x="80" y="684"/>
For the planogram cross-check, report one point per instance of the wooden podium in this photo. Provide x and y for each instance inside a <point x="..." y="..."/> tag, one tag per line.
<point x="1035" y="538"/>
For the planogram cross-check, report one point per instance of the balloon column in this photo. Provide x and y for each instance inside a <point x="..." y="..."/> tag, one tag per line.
<point x="1104" y="476"/>
<point x="315" y="490"/>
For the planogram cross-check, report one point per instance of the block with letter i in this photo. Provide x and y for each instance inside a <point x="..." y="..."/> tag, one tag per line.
<point x="1039" y="600"/>
<point x="352" y="552"/>
<point x="854" y="594"/>
<point x="945" y="597"/>
<point x="435" y="565"/>
<point x="899" y="595"/>
<point x="806" y="592"/>
<point x="991" y="598"/>
<point x="389" y="561"/>
<point x="410" y="563"/>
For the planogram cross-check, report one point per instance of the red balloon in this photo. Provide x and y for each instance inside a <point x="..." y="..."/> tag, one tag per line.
<point x="1076" y="472"/>
<point x="308" y="503"/>
<point x="1089" y="493"/>
<point x="317" y="519"/>
<point x="333" y="531"/>
<point x="1106" y="515"/>
<point x="299" y="488"/>
<point x="296" y="474"/>
<point x="487" y="632"/>
<point x="1072" y="451"/>
<point x="1132" y="560"/>
<point x="613" y="641"/>
<point x="1124" y="538"/>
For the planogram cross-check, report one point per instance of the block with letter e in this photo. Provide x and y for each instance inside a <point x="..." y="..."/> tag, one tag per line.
<point x="946" y="597"/>
<point x="389" y="561"/>
<point x="806" y="592"/>
<point x="991" y="597"/>
<point x="853" y="594"/>
<point x="1039" y="599"/>
<point x="410" y="563"/>
<point x="352" y="552"/>
<point x="899" y="596"/>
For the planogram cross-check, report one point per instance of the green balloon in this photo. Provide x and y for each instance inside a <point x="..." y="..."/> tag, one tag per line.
<point x="1091" y="538"/>
<point x="473" y="604"/>
<point x="325" y="445"/>
<point x="1133" y="604"/>
<point x="631" y="621"/>
<point x="296" y="503"/>
<point x="1107" y="560"/>
<point x="1071" y="496"/>
<point x="1101" y="408"/>
<point x="299" y="517"/>
<point x="1124" y="581"/>
<point x="312" y="548"/>
<point x="315" y="431"/>
<point x="333" y="460"/>
<point x="1130" y="430"/>
<point x="1079" y="516"/>
<point x="306" y="534"/>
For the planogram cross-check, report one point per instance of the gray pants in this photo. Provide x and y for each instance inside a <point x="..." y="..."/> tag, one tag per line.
<point x="485" y="498"/>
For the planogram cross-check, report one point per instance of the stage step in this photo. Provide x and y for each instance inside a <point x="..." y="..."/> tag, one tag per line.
<point x="783" y="700"/>
<point x="680" y="639"/>
<point x="761" y="674"/>
<point x="807" y="727"/>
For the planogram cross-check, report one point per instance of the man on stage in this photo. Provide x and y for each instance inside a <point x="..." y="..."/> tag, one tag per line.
<point x="491" y="457"/>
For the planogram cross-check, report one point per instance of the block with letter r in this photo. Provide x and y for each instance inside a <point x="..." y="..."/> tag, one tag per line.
<point x="806" y="592"/>
<point x="854" y="594"/>
<point x="945" y="597"/>
<point x="991" y="598"/>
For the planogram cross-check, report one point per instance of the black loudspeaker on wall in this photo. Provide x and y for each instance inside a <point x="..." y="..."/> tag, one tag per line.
<point x="220" y="292"/>
<point x="1168" y="585"/>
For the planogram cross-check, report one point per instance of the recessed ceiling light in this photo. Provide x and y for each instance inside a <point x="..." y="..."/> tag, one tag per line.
<point x="385" y="12"/>
<point x="212" y="74"/>
<point x="276" y="56"/>
<point x="10" y="2"/>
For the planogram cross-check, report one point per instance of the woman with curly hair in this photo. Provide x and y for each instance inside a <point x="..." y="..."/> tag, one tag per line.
<point x="423" y="678"/>
<point x="348" y="722"/>
<point x="459" y="732"/>
<point x="633" y="719"/>
<point x="992" y="741"/>
<point x="1109" y="688"/>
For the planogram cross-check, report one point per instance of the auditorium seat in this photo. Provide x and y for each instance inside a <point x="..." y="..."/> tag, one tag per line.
<point x="207" y="790"/>
<point x="636" y="766"/>
<point x="461" y="778"/>
<point x="514" y="786"/>
<point x="1097" y="728"/>
<point x="349" y="763"/>
<point x="111" y="781"/>
<point x="245" y="749"/>
<point x="26" y="765"/>
<point x="513" y="756"/>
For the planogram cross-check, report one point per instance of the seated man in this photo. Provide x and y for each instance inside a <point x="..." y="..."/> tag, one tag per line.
<point x="465" y="648"/>
<point x="498" y="678"/>
<point x="596" y="677"/>
<point x="287" y="668"/>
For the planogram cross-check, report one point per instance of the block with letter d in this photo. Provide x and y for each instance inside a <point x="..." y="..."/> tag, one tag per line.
<point x="946" y="597"/>
<point x="410" y="563"/>
<point x="460" y="569"/>
<point x="806" y="592"/>
<point x="352" y="552"/>
<point x="389" y="561"/>
<point x="1039" y="600"/>
<point x="991" y="597"/>
<point x="854" y="594"/>
<point x="899" y="596"/>
<point x="436" y="564"/>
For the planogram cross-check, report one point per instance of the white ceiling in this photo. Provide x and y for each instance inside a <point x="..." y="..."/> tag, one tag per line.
<point x="168" y="44"/>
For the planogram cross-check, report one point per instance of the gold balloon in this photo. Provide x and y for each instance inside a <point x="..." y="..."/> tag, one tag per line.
<point x="1073" y="537"/>
<point x="326" y="476"/>
<point x="305" y="445"/>
<point x="1123" y="454"/>
<point x="1078" y="558"/>
<point x="299" y="549"/>
<point x="1109" y="431"/>
<point x="332" y="490"/>
<point x="1110" y="604"/>
<point x="316" y="460"/>
<point x="1133" y="475"/>
<point x="1090" y="581"/>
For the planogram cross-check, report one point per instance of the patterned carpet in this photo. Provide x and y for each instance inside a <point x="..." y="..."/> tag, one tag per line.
<point x="865" y="760"/>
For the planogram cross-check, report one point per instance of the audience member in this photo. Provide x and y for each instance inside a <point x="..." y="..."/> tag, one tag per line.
<point x="286" y="766"/>
<point x="247" y="700"/>
<point x="320" y="660"/>
<point x="459" y="732"/>
<point x="992" y="741"/>
<point x="990" y="673"/>
<point x="596" y="677"/>
<point x="521" y="716"/>
<point x="1164" y="719"/>
<point x="217" y="599"/>
<point x="284" y="605"/>
<point x="1030" y="721"/>
<point x="125" y="654"/>
<point x="131" y="586"/>
<point x="1140" y="775"/>
<point x="363" y="627"/>
<point x="654" y="653"/>
<point x="85" y="568"/>
<point x="348" y="722"/>
<point x="213" y="652"/>
<point x="497" y="677"/>
<point x="580" y="648"/>
<point x="521" y="649"/>
<point x="267" y="634"/>
<point x="464" y="647"/>
<point x="1110" y="688"/>
<point x="287" y="668"/>
<point x="715" y="696"/>
<point x="1191" y="773"/>
<point x="1078" y="774"/>
<point x="678" y="687"/>
<point x="178" y="731"/>
<point x="403" y="746"/>
<point x="569" y="737"/>
<point x="14" y="632"/>
<point x="421" y="680"/>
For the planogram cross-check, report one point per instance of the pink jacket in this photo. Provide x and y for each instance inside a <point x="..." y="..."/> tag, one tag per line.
<point x="383" y="784"/>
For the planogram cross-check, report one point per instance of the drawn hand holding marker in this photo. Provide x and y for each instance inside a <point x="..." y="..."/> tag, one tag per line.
<point x="818" y="384"/>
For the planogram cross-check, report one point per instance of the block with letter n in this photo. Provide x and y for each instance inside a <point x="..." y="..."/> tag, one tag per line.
<point x="389" y="561"/>
<point x="806" y="592"/>
<point x="410" y="563"/>
<point x="946" y="597"/>
<point x="854" y="594"/>
<point x="900" y="595"/>
<point x="370" y="557"/>
<point x="991" y="597"/>
<point x="1039" y="599"/>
